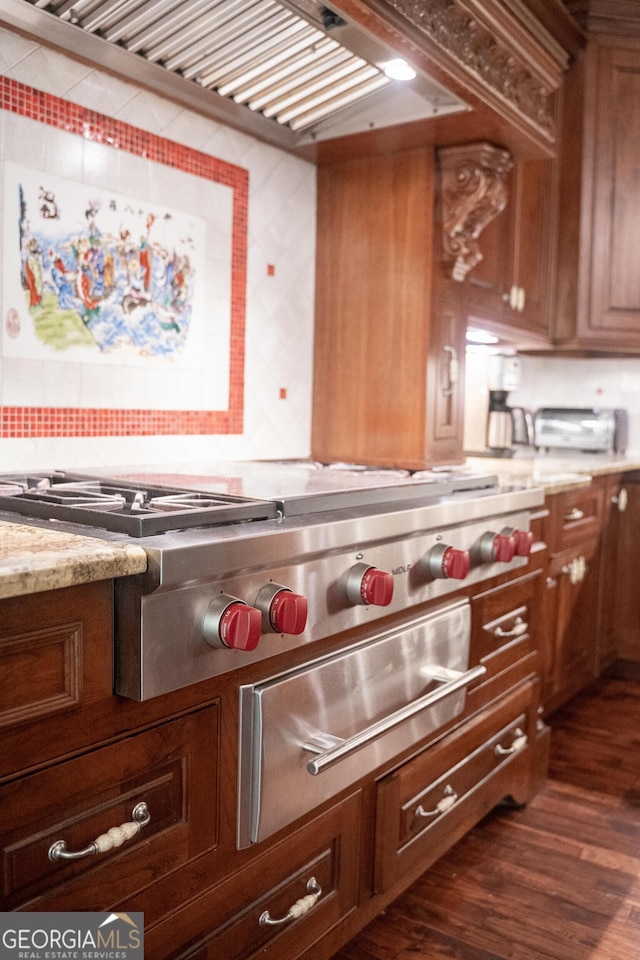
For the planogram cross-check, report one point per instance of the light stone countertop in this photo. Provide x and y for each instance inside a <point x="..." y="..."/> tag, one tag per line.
<point x="33" y="559"/>
<point x="555" y="474"/>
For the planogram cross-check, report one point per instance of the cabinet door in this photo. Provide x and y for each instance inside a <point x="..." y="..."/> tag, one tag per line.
<point x="445" y="385"/>
<point x="532" y="270"/>
<point x="614" y="310"/>
<point x="172" y="769"/>
<point x="575" y="577"/>
<point x="250" y="914"/>
<point x="613" y="568"/>
<point x="430" y="802"/>
<point x="510" y="289"/>
<point x="624" y="607"/>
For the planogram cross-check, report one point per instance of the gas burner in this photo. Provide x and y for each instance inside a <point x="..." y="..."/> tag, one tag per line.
<point x="136" y="510"/>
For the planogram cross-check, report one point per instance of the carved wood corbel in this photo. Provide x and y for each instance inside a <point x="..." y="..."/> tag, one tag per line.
<point x="472" y="193"/>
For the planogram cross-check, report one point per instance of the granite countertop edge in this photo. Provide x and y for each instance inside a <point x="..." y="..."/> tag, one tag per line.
<point x="33" y="559"/>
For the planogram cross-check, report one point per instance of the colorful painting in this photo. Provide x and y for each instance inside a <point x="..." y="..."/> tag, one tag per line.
<point x="100" y="271"/>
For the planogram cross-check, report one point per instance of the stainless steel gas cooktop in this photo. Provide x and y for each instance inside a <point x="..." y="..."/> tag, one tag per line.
<point x="141" y="502"/>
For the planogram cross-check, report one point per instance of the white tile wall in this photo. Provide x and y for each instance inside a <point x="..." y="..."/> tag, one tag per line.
<point x="564" y="382"/>
<point x="279" y="331"/>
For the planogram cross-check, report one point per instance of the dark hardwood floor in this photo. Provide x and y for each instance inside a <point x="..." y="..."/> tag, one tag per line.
<point x="558" y="879"/>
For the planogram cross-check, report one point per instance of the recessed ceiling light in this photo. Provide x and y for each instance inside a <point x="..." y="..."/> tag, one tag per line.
<point x="399" y="70"/>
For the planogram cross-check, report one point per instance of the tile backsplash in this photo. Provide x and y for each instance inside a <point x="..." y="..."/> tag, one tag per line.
<point x="560" y="382"/>
<point x="270" y="372"/>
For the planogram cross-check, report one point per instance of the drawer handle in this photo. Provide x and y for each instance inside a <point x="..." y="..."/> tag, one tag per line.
<point x="519" y="627"/>
<point x="519" y="741"/>
<point x="448" y="800"/>
<point x="114" y="837"/>
<point x="298" y="909"/>
<point x="451" y="680"/>
<point x="574" y="514"/>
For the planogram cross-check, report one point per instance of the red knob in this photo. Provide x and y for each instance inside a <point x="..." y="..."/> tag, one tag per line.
<point x="377" y="587"/>
<point x="240" y="626"/>
<point x="504" y="548"/>
<point x="524" y="542"/>
<point x="369" y="585"/>
<point x="288" y="612"/>
<point x="499" y="547"/>
<point x="229" y="622"/>
<point x="447" y="563"/>
<point x="455" y="564"/>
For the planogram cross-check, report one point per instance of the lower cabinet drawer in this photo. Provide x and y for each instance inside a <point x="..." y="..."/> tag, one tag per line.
<point x="279" y="904"/>
<point x="171" y="770"/>
<point x="430" y="802"/>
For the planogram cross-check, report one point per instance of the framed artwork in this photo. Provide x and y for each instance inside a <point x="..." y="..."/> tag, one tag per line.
<point x="136" y="280"/>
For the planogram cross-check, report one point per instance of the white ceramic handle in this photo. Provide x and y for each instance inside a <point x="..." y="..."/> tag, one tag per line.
<point x="448" y="800"/>
<point x="297" y="909"/>
<point x="114" y="837"/>
<point x="519" y="741"/>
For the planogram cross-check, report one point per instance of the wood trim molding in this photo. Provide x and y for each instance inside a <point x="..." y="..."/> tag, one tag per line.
<point x="472" y="193"/>
<point x="492" y="50"/>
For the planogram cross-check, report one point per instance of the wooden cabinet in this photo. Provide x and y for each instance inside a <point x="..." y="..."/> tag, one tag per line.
<point x="313" y="874"/>
<point x="599" y="233"/>
<point x="430" y="802"/>
<point x="389" y="363"/>
<point x="63" y="809"/>
<point x="572" y="531"/>
<point x="613" y="569"/>
<point x="510" y="290"/>
<point x="621" y="597"/>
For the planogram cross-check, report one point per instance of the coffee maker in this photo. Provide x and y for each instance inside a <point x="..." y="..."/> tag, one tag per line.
<point x="506" y="426"/>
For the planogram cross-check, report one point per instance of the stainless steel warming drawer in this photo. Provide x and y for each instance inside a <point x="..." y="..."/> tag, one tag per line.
<point x="309" y="733"/>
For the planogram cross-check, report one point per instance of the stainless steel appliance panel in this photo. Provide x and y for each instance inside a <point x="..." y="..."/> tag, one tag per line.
<point x="307" y="734"/>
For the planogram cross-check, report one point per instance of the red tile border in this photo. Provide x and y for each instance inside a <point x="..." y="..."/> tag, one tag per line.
<point x="71" y="422"/>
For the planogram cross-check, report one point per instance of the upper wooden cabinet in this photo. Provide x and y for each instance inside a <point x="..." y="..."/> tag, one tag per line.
<point x="388" y="361"/>
<point x="599" y="227"/>
<point x="509" y="288"/>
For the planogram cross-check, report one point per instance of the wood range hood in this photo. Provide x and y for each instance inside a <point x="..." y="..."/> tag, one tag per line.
<point x="310" y="77"/>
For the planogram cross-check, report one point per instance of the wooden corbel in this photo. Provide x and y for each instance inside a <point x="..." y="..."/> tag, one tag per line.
<point x="472" y="193"/>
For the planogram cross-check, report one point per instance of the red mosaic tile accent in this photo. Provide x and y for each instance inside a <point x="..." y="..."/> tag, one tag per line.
<point x="70" y="422"/>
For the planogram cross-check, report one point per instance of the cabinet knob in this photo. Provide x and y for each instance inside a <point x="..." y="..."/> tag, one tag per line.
<point x="576" y="570"/>
<point x="622" y="500"/>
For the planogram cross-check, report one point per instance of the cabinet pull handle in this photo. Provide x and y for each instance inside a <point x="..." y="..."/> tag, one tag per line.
<point x="448" y="800"/>
<point x="297" y="909"/>
<point x="519" y="741"/>
<point x="519" y="627"/>
<point x="452" y="371"/>
<point x="574" y="514"/>
<point x="577" y="569"/>
<point x="621" y="500"/>
<point x="452" y="681"/>
<point x="114" y="837"/>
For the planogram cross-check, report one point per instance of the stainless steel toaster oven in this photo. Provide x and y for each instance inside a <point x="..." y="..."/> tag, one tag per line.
<point x="586" y="429"/>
